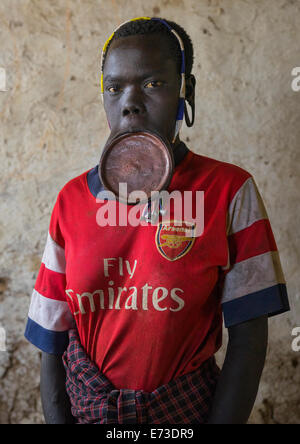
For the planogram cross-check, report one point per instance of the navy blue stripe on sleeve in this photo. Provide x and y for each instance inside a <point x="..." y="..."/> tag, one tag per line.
<point x="53" y="342"/>
<point x="270" y="301"/>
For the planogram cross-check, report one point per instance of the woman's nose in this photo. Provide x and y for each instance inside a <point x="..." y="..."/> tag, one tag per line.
<point x="133" y="103"/>
<point x="131" y="109"/>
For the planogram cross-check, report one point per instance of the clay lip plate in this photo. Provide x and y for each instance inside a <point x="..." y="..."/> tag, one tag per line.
<point x="142" y="160"/>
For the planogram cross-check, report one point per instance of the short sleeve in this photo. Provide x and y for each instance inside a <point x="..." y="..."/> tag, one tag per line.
<point x="254" y="284"/>
<point x="49" y="316"/>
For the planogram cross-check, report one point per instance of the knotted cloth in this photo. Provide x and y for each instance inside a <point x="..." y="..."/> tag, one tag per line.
<point x="94" y="400"/>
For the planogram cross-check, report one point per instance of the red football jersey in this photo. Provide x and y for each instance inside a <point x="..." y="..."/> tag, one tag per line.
<point x="148" y="300"/>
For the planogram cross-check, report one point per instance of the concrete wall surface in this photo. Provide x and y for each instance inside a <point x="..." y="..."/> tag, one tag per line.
<point x="53" y="127"/>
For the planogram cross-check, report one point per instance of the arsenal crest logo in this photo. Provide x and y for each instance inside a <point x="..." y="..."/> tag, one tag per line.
<point x="175" y="241"/>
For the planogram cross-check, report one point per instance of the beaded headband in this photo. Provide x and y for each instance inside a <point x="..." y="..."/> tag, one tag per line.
<point x="180" y="110"/>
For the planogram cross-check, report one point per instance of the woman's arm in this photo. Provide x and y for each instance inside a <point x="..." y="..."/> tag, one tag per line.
<point x="55" y="401"/>
<point x="239" y="379"/>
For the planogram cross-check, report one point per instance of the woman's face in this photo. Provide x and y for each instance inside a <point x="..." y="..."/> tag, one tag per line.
<point x="141" y="86"/>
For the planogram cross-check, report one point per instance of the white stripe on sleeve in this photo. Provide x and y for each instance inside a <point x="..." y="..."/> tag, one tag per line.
<point x="245" y="208"/>
<point x="252" y="275"/>
<point x="49" y="313"/>
<point x="54" y="256"/>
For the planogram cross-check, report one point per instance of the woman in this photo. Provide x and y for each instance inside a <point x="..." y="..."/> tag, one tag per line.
<point x="144" y="320"/>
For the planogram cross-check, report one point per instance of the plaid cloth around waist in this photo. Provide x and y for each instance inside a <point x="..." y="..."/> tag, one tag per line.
<point x="94" y="400"/>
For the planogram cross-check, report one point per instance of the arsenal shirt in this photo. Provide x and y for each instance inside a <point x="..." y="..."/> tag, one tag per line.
<point x="148" y="301"/>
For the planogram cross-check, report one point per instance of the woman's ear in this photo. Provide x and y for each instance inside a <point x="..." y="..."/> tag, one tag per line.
<point x="190" y="83"/>
<point x="190" y="99"/>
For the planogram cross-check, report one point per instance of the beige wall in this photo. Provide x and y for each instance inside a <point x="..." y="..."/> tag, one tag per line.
<point x="53" y="128"/>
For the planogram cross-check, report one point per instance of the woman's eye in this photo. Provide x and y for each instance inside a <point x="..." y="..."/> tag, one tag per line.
<point x="112" y="89"/>
<point x="153" y="84"/>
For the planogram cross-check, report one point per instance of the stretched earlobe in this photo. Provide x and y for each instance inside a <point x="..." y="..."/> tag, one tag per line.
<point x="190" y="99"/>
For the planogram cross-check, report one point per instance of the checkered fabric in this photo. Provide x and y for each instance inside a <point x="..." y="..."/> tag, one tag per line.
<point x="94" y="400"/>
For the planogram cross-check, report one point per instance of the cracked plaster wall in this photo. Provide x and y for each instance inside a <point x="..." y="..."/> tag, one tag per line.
<point x="53" y="126"/>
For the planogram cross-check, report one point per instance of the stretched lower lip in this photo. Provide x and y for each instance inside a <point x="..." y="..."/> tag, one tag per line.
<point x="127" y="129"/>
<point x="134" y="127"/>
